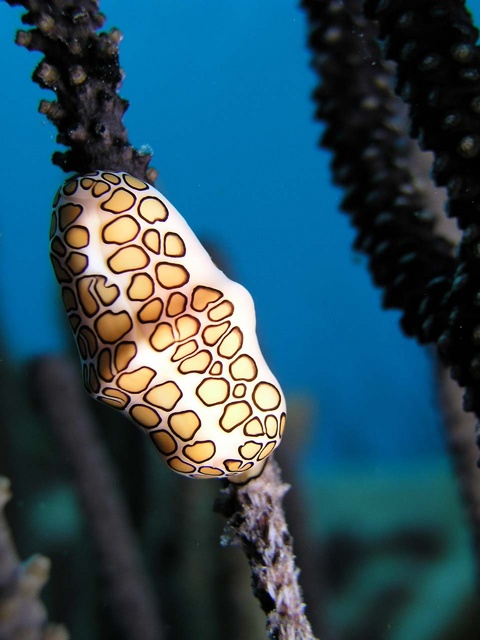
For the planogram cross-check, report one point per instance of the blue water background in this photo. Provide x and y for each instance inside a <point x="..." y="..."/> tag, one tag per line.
<point x="220" y="91"/>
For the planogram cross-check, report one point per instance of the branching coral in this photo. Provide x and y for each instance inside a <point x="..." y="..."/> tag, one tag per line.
<point x="371" y="160"/>
<point x="434" y="47"/>
<point x="367" y="132"/>
<point x="22" y="614"/>
<point x="82" y="67"/>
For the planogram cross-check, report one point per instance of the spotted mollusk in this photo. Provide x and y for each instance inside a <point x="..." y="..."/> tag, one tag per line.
<point x="163" y="334"/>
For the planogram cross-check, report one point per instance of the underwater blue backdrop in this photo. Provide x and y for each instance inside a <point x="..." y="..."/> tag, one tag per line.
<point x="220" y="91"/>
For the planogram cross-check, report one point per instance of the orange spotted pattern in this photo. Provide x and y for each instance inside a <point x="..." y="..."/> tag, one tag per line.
<point x="163" y="335"/>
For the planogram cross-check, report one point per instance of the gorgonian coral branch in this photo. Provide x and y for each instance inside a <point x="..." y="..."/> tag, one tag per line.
<point x="256" y="523"/>
<point x="366" y="129"/>
<point x="82" y="67"/>
<point x="436" y="292"/>
<point x="433" y="44"/>
<point x="363" y="129"/>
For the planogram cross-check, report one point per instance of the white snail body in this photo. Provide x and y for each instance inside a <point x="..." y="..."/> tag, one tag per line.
<point x="163" y="334"/>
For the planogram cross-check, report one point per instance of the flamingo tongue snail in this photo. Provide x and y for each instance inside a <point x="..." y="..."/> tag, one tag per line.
<point x="163" y="335"/>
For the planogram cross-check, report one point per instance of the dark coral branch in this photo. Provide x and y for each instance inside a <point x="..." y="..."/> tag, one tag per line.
<point x="367" y="132"/>
<point x="256" y="522"/>
<point x="458" y="425"/>
<point x="436" y="292"/>
<point x="438" y="75"/>
<point x="82" y="67"/>
<point x="458" y="435"/>
<point x="364" y="130"/>
<point x="62" y="403"/>
<point x="22" y="614"/>
<point x="438" y="62"/>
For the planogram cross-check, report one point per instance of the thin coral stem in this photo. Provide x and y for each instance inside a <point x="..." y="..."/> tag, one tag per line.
<point x="256" y="523"/>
